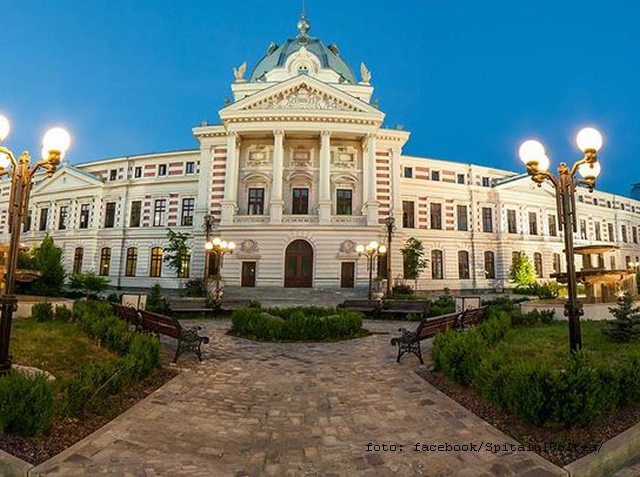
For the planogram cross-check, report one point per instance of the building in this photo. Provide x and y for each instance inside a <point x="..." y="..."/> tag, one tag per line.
<point x="299" y="171"/>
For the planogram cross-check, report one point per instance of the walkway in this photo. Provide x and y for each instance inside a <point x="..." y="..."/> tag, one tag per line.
<point x="294" y="410"/>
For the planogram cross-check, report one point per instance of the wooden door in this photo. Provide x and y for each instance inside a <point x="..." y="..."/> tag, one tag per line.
<point x="298" y="265"/>
<point x="248" y="274"/>
<point x="347" y="275"/>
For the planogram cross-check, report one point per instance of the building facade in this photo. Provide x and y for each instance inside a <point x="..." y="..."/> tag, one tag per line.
<point x="299" y="171"/>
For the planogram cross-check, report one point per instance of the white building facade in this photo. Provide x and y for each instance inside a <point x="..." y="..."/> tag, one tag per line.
<point x="299" y="171"/>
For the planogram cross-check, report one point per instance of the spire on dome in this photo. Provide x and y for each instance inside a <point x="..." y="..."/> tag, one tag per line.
<point x="303" y="25"/>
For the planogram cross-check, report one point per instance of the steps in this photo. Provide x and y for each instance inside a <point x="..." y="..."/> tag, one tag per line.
<point x="286" y="297"/>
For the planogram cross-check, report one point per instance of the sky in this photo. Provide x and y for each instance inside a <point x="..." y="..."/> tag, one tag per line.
<point x="469" y="79"/>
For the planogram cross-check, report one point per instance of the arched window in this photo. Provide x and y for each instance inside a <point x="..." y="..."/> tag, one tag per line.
<point x="105" y="261"/>
<point x="489" y="264"/>
<point x="132" y="262"/>
<point x="437" y="265"/>
<point x="186" y="266"/>
<point x="155" y="269"/>
<point x="537" y="264"/>
<point x="463" y="265"/>
<point x="77" y="260"/>
<point x="556" y="263"/>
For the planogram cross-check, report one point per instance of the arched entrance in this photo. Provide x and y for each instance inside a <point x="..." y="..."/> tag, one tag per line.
<point x="298" y="265"/>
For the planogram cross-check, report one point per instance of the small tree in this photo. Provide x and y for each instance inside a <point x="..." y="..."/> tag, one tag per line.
<point x="88" y="283"/>
<point x="522" y="272"/>
<point x="178" y="253"/>
<point x="155" y="301"/>
<point x="626" y="325"/>
<point x="46" y="259"/>
<point x="413" y="259"/>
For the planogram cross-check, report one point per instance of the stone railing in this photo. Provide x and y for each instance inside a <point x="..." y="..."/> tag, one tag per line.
<point x="251" y="219"/>
<point x="349" y="220"/>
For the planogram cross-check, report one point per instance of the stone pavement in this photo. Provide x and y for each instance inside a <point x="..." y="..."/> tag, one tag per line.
<point x="294" y="410"/>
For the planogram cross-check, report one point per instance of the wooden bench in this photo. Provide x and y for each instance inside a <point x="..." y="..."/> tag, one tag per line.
<point x="128" y="314"/>
<point x="405" y="307"/>
<point x="409" y="341"/>
<point x="365" y="306"/>
<point x="188" y="305"/>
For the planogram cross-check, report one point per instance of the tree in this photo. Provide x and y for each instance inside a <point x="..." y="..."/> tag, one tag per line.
<point x="522" y="272"/>
<point x="177" y="254"/>
<point x="626" y="325"/>
<point x="88" y="283"/>
<point x="46" y="259"/>
<point x="413" y="259"/>
<point x="155" y="301"/>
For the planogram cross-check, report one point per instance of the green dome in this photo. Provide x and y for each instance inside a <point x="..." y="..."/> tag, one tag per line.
<point x="329" y="56"/>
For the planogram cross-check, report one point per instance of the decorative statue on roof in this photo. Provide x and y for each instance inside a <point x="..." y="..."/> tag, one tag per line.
<point x="365" y="74"/>
<point x="239" y="72"/>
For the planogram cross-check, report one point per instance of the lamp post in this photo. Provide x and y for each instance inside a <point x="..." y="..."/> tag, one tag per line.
<point x="55" y="143"/>
<point x="532" y="153"/>
<point x="390" y="227"/>
<point x="371" y="251"/>
<point x="208" y="227"/>
<point x="219" y="248"/>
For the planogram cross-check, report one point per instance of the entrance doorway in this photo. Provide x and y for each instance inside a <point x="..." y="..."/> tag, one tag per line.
<point x="347" y="275"/>
<point x="298" y="265"/>
<point x="248" y="274"/>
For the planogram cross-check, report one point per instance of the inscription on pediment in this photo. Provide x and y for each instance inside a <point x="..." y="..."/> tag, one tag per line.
<point x="303" y="97"/>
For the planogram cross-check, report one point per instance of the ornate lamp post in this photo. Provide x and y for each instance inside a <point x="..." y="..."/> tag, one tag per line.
<point x="56" y="141"/>
<point x="390" y="227"/>
<point x="220" y="248"/>
<point x="208" y="227"/>
<point x="371" y="252"/>
<point x="532" y="153"/>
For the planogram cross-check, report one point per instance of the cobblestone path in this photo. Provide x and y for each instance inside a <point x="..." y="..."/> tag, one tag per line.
<point x="294" y="410"/>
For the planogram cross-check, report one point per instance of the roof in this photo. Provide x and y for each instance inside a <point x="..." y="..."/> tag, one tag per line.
<point x="329" y="56"/>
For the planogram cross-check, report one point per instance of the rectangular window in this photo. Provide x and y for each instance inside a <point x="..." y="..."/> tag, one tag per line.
<point x="77" y="260"/>
<point x="537" y="264"/>
<point x="159" y="208"/>
<point x="435" y="175"/>
<point x="580" y="198"/>
<point x="486" y="182"/>
<point x="461" y="179"/>
<point x="300" y="201"/>
<point x="27" y="222"/>
<point x="256" y="201"/>
<point x="162" y="169"/>
<point x="190" y="168"/>
<point x="533" y="223"/>
<point x="155" y="269"/>
<point x="85" y="210"/>
<point x="132" y="262"/>
<point x="110" y="215"/>
<point x="62" y="217"/>
<point x="136" y="211"/>
<point x="487" y="219"/>
<point x="595" y="201"/>
<point x="408" y="172"/>
<point x="105" y="261"/>
<point x="553" y="226"/>
<point x="343" y="201"/>
<point x="512" y="223"/>
<point x="137" y="172"/>
<point x="463" y="265"/>
<point x="612" y="237"/>
<point x="634" y="234"/>
<point x="408" y="214"/>
<point x="44" y="215"/>
<point x="623" y="230"/>
<point x="436" y="216"/>
<point x="186" y="266"/>
<point x="463" y="218"/>
<point x="556" y="263"/>
<point x="113" y="174"/>
<point x="188" y="207"/>
<point x="583" y="229"/>
<point x="437" y="265"/>
<point x="597" y="231"/>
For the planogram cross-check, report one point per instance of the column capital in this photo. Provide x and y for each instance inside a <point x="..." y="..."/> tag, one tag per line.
<point x="278" y="133"/>
<point x="325" y="133"/>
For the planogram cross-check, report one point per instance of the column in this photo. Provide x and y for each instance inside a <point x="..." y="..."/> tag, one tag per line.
<point x="230" y="181"/>
<point x="396" y="192"/>
<point x="325" y="203"/>
<point x="275" y="208"/>
<point x="371" y="204"/>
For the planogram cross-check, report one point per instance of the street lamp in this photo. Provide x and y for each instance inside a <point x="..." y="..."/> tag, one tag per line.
<point x="55" y="143"/>
<point x="390" y="227"/>
<point x="371" y="251"/>
<point x="532" y="153"/>
<point x="219" y="248"/>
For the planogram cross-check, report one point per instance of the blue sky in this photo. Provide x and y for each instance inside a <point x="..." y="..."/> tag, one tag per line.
<point x="469" y="79"/>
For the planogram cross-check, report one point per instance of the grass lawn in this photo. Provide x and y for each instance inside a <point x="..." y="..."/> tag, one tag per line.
<point x="550" y="344"/>
<point x="57" y="347"/>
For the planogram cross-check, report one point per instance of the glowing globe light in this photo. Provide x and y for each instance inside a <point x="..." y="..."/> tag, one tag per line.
<point x="5" y="128"/>
<point x="382" y="249"/>
<point x="589" y="139"/>
<point x="4" y="161"/>
<point x="531" y="151"/>
<point x="590" y="170"/>
<point x="544" y="163"/>
<point x="360" y="248"/>
<point x="217" y="241"/>
<point x="232" y="245"/>
<point x="208" y="246"/>
<point x="56" y="139"/>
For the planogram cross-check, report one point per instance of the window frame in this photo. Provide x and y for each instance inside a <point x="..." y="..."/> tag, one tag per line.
<point x="105" y="261"/>
<point x="409" y="222"/>
<point x="300" y="200"/>
<point x="464" y="271"/>
<point x="344" y="205"/>
<point x="187" y="211"/>
<point x="131" y="263"/>
<point x="63" y="214"/>
<point x="78" y="257"/>
<point x="110" y="215"/>
<point x="155" y="262"/>
<point x="255" y="204"/>
<point x="159" y="211"/>
<point x="136" y="208"/>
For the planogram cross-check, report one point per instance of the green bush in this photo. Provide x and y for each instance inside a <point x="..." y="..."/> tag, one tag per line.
<point x="460" y="355"/>
<point x="401" y="289"/>
<point x="26" y="404"/>
<point x="528" y="390"/>
<point x="42" y="312"/>
<point x="62" y="313"/>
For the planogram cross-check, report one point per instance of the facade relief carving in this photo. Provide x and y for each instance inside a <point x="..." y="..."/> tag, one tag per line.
<point x="347" y="248"/>
<point x="258" y="156"/>
<point x="303" y="98"/>
<point x="301" y="157"/>
<point x="343" y="157"/>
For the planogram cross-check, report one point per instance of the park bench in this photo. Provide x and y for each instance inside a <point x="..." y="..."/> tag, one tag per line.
<point x="128" y="314"/>
<point x="188" y="305"/>
<point x="365" y="306"/>
<point x="409" y="341"/>
<point x="405" y="307"/>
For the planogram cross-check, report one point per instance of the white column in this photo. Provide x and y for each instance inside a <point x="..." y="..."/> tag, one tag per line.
<point x="371" y="204"/>
<point x="275" y="208"/>
<point x="231" y="181"/>
<point x="325" y="202"/>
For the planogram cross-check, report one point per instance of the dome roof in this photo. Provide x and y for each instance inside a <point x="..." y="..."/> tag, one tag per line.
<point x="329" y="56"/>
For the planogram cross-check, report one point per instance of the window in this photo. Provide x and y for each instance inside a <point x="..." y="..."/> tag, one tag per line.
<point x="408" y="214"/>
<point x="623" y="230"/>
<point x="612" y="262"/>
<point x="612" y="237"/>
<point x="622" y="206"/>
<point x="580" y="198"/>
<point x="186" y="266"/>
<point x="300" y="201"/>
<point x="583" y="229"/>
<point x="256" y="201"/>
<point x="537" y="264"/>
<point x="461" y="179"/>
<point x="62" y="217"/>
<point x="190" y="168"/>
<point x="44" y="214"/>
<point x="586" y="262"/>
<point x="110" y="215"/>
<point x="158" y="212"/>
<point x="137" y="172"/>
<point x="113" y="174"/>
<point x="634" y="235"/>
<point x="627" y="261"/>
<point x="407" y="172"/>
<point x="77" y="260"/>
<point x="132" y="262"/>
<point x="85" y="210"/>
<point x="437" y="265"/>
<point x="487" y="219"/>
<point x="601" y="261"/>
<point x="435" y="175"/>
<point x="489" y="264"/>
<point x="553" y="226"/>
<point x="486" y="182"/>
<point x="533" y="223"/>
<point x="595" y="201"/>
<point x="382" y="266"/>
<point x="136" y="209"/>
<point x="27" y="222"/>
<point x="463" y="218"/>
<point x="463" y="265"/>
<point x="597" y="231"/>
<point x="514" y="256"/>
<point x="343" y="201"/>
<point x="162" y="169"/>
<point x="188" y="206"/>
<point x="156" y="262"/>
<point x="105" y="261"/>
<point x="609" y="203"/>
<point x="556" y="263"/>
<point x="512" y="223"/>
<point x="436" y="216"/>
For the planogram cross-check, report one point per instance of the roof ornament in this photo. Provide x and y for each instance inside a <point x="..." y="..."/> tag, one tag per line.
<point x="365" y="74"/>
<point x="239" y="72"/>
<point x="303" y="28"/>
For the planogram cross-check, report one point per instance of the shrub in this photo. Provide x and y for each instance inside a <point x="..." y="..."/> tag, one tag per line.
<point x="155" y="301"/>
<point x="461" y="355"/>
<point x="88" y="283"/>
<point x="196" y="287"/>
<point x="62" y="313"/>
<point x="626" y="325"/>
<point x="528" y="391"/>
<point x="114" y="298"/>
<point x="401" y="289"/>
<point x="42" y="312"/>
<point x="26" y="404"/>
<point x="546" y="290"/>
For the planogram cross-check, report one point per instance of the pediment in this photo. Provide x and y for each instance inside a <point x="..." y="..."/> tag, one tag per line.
<point x="523" y="184"/>
<point x="67" y="179"/>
